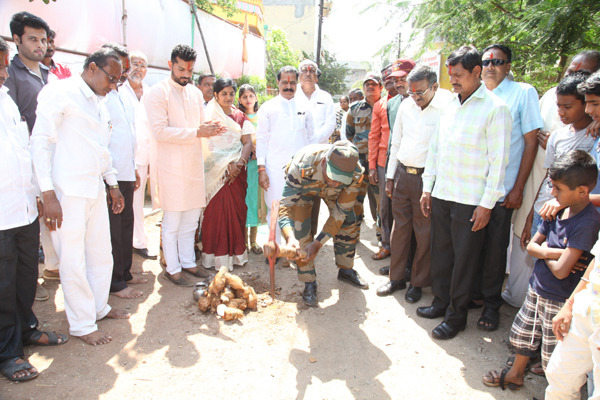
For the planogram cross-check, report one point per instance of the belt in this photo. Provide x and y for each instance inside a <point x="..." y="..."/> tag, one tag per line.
<point x="412" y="170"/>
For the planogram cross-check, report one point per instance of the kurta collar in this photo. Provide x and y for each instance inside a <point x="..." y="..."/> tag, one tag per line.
<point x="85" y="88"/>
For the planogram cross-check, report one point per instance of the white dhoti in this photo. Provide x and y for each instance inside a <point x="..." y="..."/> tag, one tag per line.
<point x="178" y="231"/>
<point x="521" y="268"/>
<point x="140" y="240"/>
<point x="276" y="183"/>
<point x="85" y="253"/>
<point x="51" y="261"/>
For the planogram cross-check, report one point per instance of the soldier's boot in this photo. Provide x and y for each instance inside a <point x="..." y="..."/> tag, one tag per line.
<point x="309" y="296"/>
<point x="352" y="277"/>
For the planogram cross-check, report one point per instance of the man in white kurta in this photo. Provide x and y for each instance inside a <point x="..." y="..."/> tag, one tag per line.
<point x="72" y="176"/>
<point x="175" y="113"/>
<point x="285" y="125"/>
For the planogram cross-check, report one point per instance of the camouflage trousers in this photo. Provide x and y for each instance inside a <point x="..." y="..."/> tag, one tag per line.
<point x="359" y="205"/>
<point x="344" y="243"/>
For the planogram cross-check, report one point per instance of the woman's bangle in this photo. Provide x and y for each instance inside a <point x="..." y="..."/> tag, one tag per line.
<point x="585" y="280"/>
<point x="242" y="159"/>
<point x="262" y="169"/>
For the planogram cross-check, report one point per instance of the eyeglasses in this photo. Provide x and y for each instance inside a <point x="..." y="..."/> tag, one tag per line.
<point x="495" y="62"/>
<point x="112" y="80"/>
<point x="419" y="94"/>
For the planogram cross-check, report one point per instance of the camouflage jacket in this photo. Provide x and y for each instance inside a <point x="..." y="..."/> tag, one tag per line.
<point x="304" y="182"/>
<point x="358" y="126"/>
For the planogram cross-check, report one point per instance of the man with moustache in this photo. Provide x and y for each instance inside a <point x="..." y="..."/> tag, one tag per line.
<point x="285" y="125"/>
<point x="133" y="89"/>
<point x="177" y="122"/>
<point x="467" y="158"/>
<point x="205" y="83"/>
<point x="61" y="71"/>
<point x="321" y="107"/>
<point x="378" y="148"/>
<point x="522" y="99"/>
<point x="69" y="145"/>
<point x="354" y="95"/>
<point x="27" y="76"/>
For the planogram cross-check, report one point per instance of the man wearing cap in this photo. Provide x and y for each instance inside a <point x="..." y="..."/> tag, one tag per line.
<point x="332" y="173"/>
<point x="378" y="146"/>
<point x="358" y="126"/>
<point x="323" y="112"/>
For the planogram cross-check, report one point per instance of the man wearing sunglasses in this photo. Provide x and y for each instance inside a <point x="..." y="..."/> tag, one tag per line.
<point x="122" y="149"/>
<point x="522" y="99"/>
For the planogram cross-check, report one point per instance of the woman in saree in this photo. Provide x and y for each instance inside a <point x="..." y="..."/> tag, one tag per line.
<point x="255" y="197"/>
<point x="225" y="160"/>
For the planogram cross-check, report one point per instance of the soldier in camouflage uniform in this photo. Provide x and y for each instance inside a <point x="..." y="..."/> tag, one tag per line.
<point x="358" y="126"/>
<point x="332" y="173"/>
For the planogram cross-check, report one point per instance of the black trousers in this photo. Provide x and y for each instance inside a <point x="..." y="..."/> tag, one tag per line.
<point x="492" y="267"/>
<point x="18" y="279"/>
<point x="121" y="238"/>
<point x="455" y="255"/>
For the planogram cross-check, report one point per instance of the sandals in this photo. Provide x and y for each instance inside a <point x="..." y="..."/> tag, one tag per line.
<point x="9" y="367"/>
<point x="52" y="339"/>
<point x="511" y="361"/>
<point x="179" y="282"/>
<point x="198" y="274"/>
<point x="501" y="383"/>
<point x="491" y="317"/>
<point x="381" y="254"/>
<point x="255" y="248"/>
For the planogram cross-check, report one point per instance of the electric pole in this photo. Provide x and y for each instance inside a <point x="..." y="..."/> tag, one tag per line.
<point x="319" y="33"/>
<point x="399" y="43"/>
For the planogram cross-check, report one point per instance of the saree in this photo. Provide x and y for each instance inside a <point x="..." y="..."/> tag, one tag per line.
<point x="255" y="195"/>
<point x="224" y="222"/>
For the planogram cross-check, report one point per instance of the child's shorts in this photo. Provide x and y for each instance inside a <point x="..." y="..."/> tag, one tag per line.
<point x="533" y="326"/>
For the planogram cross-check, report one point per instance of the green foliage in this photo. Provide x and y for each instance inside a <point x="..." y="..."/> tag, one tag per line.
<point x="542" y="34"/>
<point x="332" y="73"/>
<point x="230" y="6"/>
<point x="281" y="54"/>
<point x="259" y="84"/>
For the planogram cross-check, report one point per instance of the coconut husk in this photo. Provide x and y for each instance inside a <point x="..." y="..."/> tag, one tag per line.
<point x="203" y="303"/>
<point x="238" y="303"/>
<point x="252" y="299"/>
<point x="219" y="282"/>
<point x="232" y="313"/>
<point x="235" y="281"/>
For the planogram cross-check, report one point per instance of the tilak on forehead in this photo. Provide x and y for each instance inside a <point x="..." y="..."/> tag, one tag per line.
<point x="6" y="59"/>
<point x="576" y="69"/>
<point x="190" y="65"/>
<point x="449" y="69"/>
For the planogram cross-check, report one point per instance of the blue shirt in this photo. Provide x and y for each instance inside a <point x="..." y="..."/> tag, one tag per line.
<point x="524" y="105"/>
<point x="578" y="232"/>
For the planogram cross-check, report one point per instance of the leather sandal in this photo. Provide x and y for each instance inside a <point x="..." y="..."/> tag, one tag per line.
<point x="491" y="317"/>
<point x="52" y="339"/>
<point x="255" y="248"/>
<point x="9" y="367"/>
<point x="381" y="254"/>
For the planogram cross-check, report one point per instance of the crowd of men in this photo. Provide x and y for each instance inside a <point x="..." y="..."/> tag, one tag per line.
<point x="457" y="183"/>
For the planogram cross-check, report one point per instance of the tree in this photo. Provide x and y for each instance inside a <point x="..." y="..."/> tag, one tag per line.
<point x="542" y="34"/>
<point x="280" y="54"/>
<point x="333" y="74"/>
<point x="230" y="6"/>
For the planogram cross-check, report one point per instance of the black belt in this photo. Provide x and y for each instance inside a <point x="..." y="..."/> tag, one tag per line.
<point x="412" y="170"/>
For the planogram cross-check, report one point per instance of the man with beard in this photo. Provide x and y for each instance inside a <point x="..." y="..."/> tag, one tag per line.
<point x="177" y="122"/>
<point x="61" y="71"/>
<point x="133" y="89"/>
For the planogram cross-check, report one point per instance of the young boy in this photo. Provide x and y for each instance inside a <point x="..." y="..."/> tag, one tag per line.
<point x="578" y="352"/>
<point x="559" y="245"/>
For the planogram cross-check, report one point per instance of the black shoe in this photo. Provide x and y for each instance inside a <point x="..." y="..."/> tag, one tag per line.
<point x="144" y="253"/>
<point x="413" y="294"/>
<point x="352" y="277"/>
<point x="384" y="270"/>
<point x="390" y="287"/>
<point x="445" y="331"/>
<point x="430" y="312"/>
<point x="407" y="274"/>
<point x="309" y="296"/>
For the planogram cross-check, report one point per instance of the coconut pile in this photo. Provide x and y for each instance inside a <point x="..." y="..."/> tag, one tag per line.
<point x="228" y="296"/>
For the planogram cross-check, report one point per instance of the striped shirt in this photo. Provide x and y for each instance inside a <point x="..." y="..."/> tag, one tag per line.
<point x="468" y="153"/>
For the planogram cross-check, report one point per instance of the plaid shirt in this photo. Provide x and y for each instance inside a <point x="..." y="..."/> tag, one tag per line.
<point x="468" y="152"/>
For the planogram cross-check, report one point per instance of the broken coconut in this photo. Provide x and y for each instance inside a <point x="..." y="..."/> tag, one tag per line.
<point x="228" y="296"/>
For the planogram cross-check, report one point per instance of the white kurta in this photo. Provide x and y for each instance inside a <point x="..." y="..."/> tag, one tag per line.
<point x="323" y="111"/>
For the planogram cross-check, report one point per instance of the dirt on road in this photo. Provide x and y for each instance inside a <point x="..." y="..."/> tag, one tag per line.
<point x="355" y="345"/>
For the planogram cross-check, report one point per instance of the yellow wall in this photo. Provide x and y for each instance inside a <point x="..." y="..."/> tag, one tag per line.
<point x="300" y="30"/>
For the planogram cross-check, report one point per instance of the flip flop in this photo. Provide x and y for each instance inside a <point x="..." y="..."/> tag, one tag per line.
<point x="9" y="367"/>
<point x="52" y="339"/>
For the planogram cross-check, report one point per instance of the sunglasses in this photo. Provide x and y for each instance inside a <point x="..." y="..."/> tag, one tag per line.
<point x="419" y="94"/>
<point x="495" y="62"/>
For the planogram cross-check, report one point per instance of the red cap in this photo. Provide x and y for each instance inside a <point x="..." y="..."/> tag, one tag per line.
<point x="402" y="67"/>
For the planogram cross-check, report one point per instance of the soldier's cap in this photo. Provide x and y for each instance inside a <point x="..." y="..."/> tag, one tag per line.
<point x="402" y="67"/>
<point x="372" y="76"/>
<point x="386" y="73"/>
<point x="341" y="161"/>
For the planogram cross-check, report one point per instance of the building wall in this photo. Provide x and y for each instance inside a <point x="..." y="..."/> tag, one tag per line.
<point x="297" y="18"/>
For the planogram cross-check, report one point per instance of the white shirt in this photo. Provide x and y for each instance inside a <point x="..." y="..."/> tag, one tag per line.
<point x="413" y="130"/>
<point x="17" y="191"/>
<point x="284" y="127"/>
<point x="323" y="111"/>
<point x="142" y="134"/>
<point x="70" y="115"/>
<point x="122" y="138"/>
<point x="549" y="111"/>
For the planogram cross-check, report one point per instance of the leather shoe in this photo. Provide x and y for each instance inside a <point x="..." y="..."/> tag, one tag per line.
<point x="390" y="287"/>
<point x="309" y="296"/>
<point x="445" y="331"/>
<point x="430" y="312"/>
<point x="352" y="277"/>
<point x="407" y="274"/>
<point x="384" y="270"/>
<point x="144" y="253"/>
<point x="413" y="294"/>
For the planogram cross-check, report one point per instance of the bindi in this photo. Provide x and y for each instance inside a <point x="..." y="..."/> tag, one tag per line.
<point x="449" y="69"/>
<point x="6" y="59"/>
